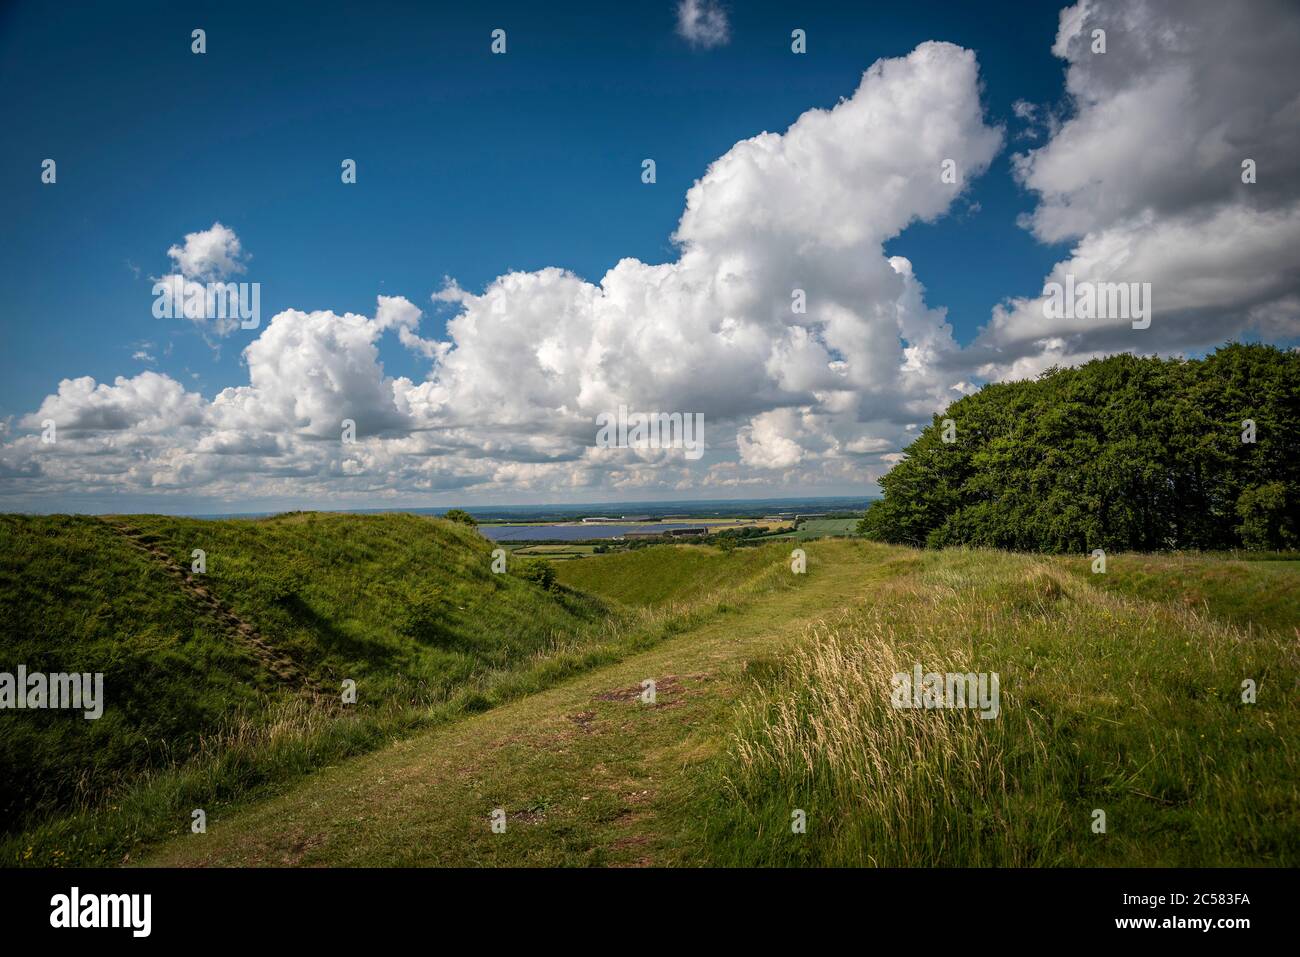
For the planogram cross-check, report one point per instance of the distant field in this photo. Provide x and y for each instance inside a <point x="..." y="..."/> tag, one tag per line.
<point x="567" y="533"/>
<point x="555" y="552"/>
<point x="822" y="528"/>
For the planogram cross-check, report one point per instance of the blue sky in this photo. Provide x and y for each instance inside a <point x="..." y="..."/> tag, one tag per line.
<point x="470" y="166"/>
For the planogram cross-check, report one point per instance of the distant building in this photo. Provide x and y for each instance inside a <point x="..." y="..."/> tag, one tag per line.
<point x="598" y="519"/>
<point x="800" y="518"/>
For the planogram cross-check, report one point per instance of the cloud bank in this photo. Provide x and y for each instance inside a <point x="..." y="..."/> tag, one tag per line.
<point x="1144" y="177"/>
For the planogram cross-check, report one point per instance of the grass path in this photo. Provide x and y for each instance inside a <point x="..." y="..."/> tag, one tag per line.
<point x="585" y="771"/>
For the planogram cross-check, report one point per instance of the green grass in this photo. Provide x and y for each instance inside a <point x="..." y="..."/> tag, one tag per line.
<point x="74" y="597"/>
<point x="820" y="527"/>
<point x="580" y="768"/>
<point x="1119" y="692"/>
<point x="404" y="605"/>
<point x="1253" y="593"/>
<point x="816" y="528"/>
<point x="555" y="552"/>
<point x="1108" y="702"/>
<point x="660" y="575"/>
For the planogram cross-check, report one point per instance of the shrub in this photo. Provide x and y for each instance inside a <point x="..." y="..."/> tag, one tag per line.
<point x="538" y="572"/>
<point x="425" y="618"/>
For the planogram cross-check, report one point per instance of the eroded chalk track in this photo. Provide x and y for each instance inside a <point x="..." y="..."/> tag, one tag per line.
<point x="276" y="662"/>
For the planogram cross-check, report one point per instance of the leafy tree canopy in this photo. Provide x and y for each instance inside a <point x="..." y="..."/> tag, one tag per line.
<point x="1123" y="453"/>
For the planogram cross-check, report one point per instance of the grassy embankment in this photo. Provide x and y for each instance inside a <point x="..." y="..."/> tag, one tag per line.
<point x="405" y="606"/>
<point x="663" y="574"/>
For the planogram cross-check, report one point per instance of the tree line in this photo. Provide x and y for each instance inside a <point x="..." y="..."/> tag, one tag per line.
<point x="1122" y="453"/>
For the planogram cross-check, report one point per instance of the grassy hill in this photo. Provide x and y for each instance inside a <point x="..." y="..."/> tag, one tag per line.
<point x="404" y="603"/>
<point x="75" y="597"/>
<point x="405" y="606"/>
<point x="668" y="574"/>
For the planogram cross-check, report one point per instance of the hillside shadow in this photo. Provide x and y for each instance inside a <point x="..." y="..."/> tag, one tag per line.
<point x="331" y="638"/>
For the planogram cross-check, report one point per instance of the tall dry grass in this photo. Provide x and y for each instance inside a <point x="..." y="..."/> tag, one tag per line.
<point x="1106" y="703"/>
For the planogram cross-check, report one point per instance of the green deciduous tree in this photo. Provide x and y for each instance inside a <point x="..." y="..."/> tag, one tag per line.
<point x="1121" y="453"/>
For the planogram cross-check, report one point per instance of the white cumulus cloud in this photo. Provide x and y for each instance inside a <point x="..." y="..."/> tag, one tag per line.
<point x="210" y="254"/>
<point x="792" y="397"/>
